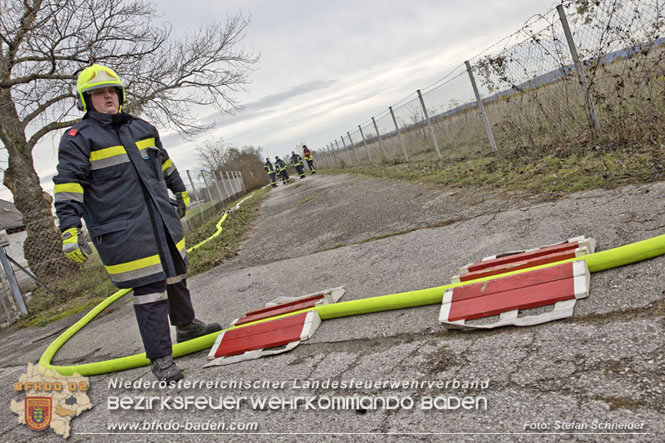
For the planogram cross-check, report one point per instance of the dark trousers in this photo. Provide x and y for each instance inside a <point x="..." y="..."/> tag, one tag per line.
<point x="154" y="304"/>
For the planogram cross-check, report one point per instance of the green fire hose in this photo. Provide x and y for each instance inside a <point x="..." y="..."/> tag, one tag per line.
<point x="596" y="262"/>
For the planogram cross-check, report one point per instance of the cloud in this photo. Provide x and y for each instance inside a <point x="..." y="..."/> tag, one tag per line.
<point x="256" y="123"/>
<point x="268" y="103"/>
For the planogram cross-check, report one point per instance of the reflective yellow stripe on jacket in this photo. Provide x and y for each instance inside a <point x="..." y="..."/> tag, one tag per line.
<point x="180" y="246"/>
<point x="141" y="267"/>
<point x="145" y="143"/>
<point x="106" y="157"/>
<point x="134" y="269"/>
<point x="114" y="155"/>
<point x="68" y="191"/>
<point x="168" y="167"/>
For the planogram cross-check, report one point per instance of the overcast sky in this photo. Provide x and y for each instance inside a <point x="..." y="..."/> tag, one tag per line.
<point x="327" y="66"/>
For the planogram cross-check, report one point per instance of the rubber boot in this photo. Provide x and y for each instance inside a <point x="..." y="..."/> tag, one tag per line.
<point x="196" y="328"/>
<point x="164" y="369"/>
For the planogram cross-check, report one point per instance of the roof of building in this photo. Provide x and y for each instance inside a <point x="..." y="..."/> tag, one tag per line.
<point x="9" y="216"/>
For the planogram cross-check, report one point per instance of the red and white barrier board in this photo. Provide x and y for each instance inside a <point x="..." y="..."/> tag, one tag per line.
<point x="516" y="260"/>
<point x="266" y="335"/>
<point x="258" y="334"/>
<point x="284" y="305"/>
<point x="558" y="285"/>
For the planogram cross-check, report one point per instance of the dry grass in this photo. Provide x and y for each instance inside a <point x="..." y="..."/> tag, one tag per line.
<point x="544" y="139"/>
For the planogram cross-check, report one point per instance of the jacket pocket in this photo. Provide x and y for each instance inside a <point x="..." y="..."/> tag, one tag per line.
<point x="98" y="176"/>
<point x="101" y="232"/>
<point x="153" y="161"/>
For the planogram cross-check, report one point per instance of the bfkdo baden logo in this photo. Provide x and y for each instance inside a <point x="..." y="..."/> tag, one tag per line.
<point x="38" y="412"/>
<point x="51" y="400"/>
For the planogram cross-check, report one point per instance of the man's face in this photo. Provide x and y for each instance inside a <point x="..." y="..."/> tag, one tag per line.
<point x="105" y="100"/>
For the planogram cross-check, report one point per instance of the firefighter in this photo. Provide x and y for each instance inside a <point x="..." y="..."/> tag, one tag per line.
<point x="281" y="169"/>
<point x="114" y="173"/>
<point x="270" y="169"/>
<point x="307" y="155"/>
<point x="296" y="162"/>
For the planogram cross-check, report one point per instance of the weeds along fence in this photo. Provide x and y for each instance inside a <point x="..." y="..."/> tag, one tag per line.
<point x="582" y="74"/>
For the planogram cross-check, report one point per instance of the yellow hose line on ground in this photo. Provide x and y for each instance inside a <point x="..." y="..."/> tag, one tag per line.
<point x="596" y="262"/>
<point x="219" y="231"/>
<point x="599" y="261"/>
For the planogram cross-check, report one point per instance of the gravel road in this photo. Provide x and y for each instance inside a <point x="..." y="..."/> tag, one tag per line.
<point x="595" y="377"/>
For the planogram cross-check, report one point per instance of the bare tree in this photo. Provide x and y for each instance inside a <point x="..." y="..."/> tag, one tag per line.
<point x="212" y="155"/>
<point x="44" y="45"/>
<point x="247" y="159"/>
<point x="218" y="157"/>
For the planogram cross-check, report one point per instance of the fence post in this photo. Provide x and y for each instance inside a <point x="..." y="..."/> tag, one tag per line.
<point x="237" y="182"/>
<point x="4" y="305"/>
<point x="229" y="183"/>
<point x="13" y="285"/>
<point x="369" y="155"/>
<point x="353" y="146"/>
<point x="227" y="194"/>
<point x="242" y="182"/>
<point x="219" y="191"/>
<point x="208" y="188"/>
<point x="196" y="194"/>
<point x="346" y="149"/>
<point x="580" y="72"/>
<point x="378" y="134"/>
<point x="347" y="154"/>
<point x="429" y="124"/>
<point x="333" y="156"/>
<point x="325" y="157"/>
<point x="339" y="151"/>
<point x="321" y="158"/>
<point x="483" y="114"/>
<point x="232" y="185"/>
<point x="399" y="134"/>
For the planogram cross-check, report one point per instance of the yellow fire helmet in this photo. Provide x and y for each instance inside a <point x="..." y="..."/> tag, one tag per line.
<point x="95" y="77"/>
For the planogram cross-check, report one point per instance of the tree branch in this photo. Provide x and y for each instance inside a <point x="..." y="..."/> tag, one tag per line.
<point x="53" y="126"/>
<point x="41" y="108"/>
<point x="26" y="21"/>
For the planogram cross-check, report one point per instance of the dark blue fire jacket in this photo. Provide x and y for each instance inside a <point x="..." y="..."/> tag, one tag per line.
<point x="114" y="173"/>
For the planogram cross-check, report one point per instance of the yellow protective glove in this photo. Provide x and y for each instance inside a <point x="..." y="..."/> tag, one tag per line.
<point x="74" y="245"/>
<point x="182" y="198"/>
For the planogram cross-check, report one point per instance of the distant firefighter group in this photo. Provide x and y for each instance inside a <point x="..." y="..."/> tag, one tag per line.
<point x="279" y="169"/>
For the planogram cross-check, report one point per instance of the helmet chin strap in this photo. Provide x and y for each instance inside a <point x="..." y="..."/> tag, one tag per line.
<point x="120" y="100"/>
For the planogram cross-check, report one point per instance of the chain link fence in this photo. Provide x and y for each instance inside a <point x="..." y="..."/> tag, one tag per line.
<point x="22" y="257"/>
<point x="209" y="192"/>
<point x="580" y="74"/>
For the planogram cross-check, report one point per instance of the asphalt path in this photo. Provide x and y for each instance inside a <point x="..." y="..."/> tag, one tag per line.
<point x="597" y="376"/>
